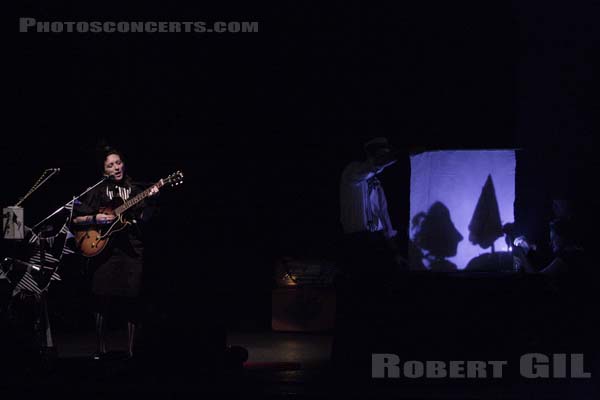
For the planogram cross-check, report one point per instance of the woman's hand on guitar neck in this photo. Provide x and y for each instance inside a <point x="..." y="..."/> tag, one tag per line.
<point x="153" y="190"/>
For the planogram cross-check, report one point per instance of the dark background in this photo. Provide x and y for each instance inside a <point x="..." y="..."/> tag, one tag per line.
<point x="262" y="123"/>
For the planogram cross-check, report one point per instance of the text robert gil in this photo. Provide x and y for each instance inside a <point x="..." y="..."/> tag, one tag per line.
<point x="531" y="365"/>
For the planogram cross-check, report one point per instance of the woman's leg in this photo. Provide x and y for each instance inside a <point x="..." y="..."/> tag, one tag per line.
<point x="131" y="337"/>
<point x="132" y="306"/>
<point x="101" y="313"/>
<point x="100" y="333"/>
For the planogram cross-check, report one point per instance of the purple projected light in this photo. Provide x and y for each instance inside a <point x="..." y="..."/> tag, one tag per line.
<point x="458" y="198"/>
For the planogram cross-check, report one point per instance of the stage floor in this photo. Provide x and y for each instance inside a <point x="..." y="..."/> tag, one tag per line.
<point x="265" y="349"/>
<point x="278" y="364"/>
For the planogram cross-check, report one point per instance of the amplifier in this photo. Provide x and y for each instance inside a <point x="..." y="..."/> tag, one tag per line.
<point x="291" y="272"/>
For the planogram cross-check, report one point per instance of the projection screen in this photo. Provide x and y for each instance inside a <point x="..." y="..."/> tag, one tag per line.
<point x="459" y="201"/>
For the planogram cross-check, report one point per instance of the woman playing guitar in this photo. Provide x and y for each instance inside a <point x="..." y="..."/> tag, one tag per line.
<point x="119" y="261"/>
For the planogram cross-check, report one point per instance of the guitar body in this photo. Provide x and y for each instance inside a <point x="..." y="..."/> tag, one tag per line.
<point x="94" y="239"/>
<point x="90" y="242"/>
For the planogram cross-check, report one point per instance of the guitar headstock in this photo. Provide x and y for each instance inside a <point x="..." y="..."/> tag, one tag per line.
<point x="174" y="179"/>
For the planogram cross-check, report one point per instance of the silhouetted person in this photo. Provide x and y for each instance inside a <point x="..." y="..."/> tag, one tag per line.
<point x="369" y="253"/>
<point x="370" y="239"/>
<point x="568" y="254"/>
<point x="574" y="286"/>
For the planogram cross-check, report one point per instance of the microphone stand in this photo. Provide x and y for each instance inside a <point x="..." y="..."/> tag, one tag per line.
<point x="45" y="334"/>
<point x="104" y="179"/>
<point x="38" y="184"/>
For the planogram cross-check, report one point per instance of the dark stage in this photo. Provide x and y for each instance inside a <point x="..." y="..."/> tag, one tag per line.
<point x="333" y="363"/>
<point x="252" y="249"/>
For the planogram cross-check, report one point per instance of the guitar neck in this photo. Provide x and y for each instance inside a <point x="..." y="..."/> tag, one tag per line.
<point x="127" y="204"/>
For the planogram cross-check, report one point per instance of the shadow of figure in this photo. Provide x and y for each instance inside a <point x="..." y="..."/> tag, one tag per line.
<point x="485" y="227"/>
<point x="436" y="237"/>
<point x="491" y="262"/>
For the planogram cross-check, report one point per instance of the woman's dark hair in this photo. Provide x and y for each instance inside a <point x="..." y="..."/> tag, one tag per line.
<point x="106" y="151"/>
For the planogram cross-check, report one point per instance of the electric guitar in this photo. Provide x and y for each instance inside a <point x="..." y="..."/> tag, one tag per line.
<point x="92" y="240"/>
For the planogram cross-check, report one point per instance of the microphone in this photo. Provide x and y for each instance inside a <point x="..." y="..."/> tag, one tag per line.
<point x="109" y="178"/>
<point x="53" y="170"/>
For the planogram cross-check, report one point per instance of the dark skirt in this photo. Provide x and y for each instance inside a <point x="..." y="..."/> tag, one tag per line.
<point x="119" y="268"/>
<point x="128" y="308"/>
